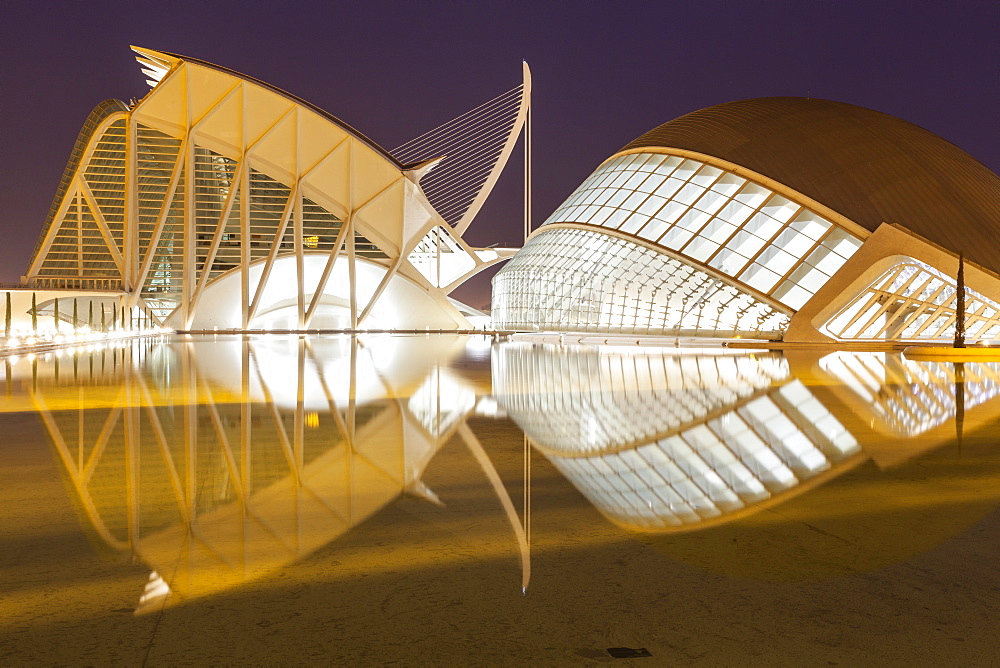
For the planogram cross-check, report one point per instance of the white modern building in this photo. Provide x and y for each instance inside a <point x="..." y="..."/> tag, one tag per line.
<point x="776" y="218"/>
<point x="219" y="201"/>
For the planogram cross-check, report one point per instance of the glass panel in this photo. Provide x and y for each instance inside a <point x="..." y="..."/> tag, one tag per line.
<point x="653" y="161"/>
<point x="601" y="215"/>
<point x="686" y="169"/>
<point x="706" y="175"/>
<point x="710" y="202"/>
<point x="669" y="165"/>
<point x="618" y="197"/>
<point x="634" y="222"/>
<point x="633" y="201"/>
<point x="653" y="229"/>
<point x="616" y="218"/>
<point x="780" y="209"/>
<point x="842" y="243"/>
<point x="728" y="184"/>
<point x="759" y="277"/>
<point x="603" y="195"/>
<point x="793" y="242"/>
<point x="808" y="277"/>
<point x="811" y="225"/>
<point x="633" y="161"/>
<point x="676" y="238"/>
<point x="745" y="244"/>
<point x="652" y="205"/>
<point x="718" y="230"/>
<point x="619" y="180"/>
<point x="825" y="260"/>
<point x="693" y="220"/>
<point x="689" y="193"/>
<point x="728" y="262"/>
<point x="617" y="163"/>
<point x="605" y="180"/>
<point x="634" y="180"/>
<point x="671" y="211"/>
<point x="700" y="248"/>
<point x="652" y="183"/>
<point x="792" y="295"/>
<point x="762" y="226"/>
<point x="587" y="213"/>
<point x="669" y="187"/>
<point x="752" y="195"/>
<point x="735" y="212"/>
<point x="776" y="260"/>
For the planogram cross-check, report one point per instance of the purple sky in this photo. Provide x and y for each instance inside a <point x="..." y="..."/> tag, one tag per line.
<point x="604" y="73"/>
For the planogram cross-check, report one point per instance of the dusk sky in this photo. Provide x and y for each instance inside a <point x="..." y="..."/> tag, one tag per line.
<point x="604" y="73"/>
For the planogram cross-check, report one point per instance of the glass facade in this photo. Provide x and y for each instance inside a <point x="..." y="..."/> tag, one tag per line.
<point x="80" y="249"/>
<point x="81" y="255"/>
<point x="587" y="281"/>
<point x="704" y="215"/>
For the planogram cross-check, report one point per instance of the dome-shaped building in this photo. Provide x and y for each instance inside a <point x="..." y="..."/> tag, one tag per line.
<point x="776" y="218"/>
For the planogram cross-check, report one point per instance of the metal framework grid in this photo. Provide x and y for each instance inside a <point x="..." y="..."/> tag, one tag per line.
<point x="591" y="281"/>
<point x="912" y="301"/>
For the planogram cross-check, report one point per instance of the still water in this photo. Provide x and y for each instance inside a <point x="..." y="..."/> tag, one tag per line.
<point x="444" y="499"/>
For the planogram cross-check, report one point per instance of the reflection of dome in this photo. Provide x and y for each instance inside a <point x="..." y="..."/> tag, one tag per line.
<point x="767" y="218"/>
<point x="661" y="442"/>
<point x="583" y="399"/>
<point x="865" y="519"/>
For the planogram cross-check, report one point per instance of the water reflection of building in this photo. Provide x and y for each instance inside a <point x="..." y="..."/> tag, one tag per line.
<point x="668" y="442"/>
<point x="908" y="397"/>
<point x="217" y="463"/>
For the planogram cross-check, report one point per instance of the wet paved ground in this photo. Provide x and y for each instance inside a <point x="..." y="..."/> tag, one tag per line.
<point x="385" y="536"/>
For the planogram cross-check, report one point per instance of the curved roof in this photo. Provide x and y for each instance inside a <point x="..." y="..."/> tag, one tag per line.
<point x="866" y="165"/>
<point x="293" y="98"/>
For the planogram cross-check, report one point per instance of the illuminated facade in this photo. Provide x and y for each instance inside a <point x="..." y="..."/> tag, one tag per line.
<point x="219" y="201"/>
<point x="775" y="218"/>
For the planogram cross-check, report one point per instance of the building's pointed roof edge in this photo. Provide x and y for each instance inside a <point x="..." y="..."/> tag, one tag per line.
<point x="165" y="59"/>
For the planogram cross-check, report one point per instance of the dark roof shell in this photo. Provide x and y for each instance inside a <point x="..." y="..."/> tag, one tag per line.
<point x="866" y="165"/>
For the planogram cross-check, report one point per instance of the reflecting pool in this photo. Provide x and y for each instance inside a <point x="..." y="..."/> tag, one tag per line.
<point x="433" y="498"/>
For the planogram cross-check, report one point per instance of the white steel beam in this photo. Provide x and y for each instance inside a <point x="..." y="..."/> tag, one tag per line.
<point x="102" y="225"/>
